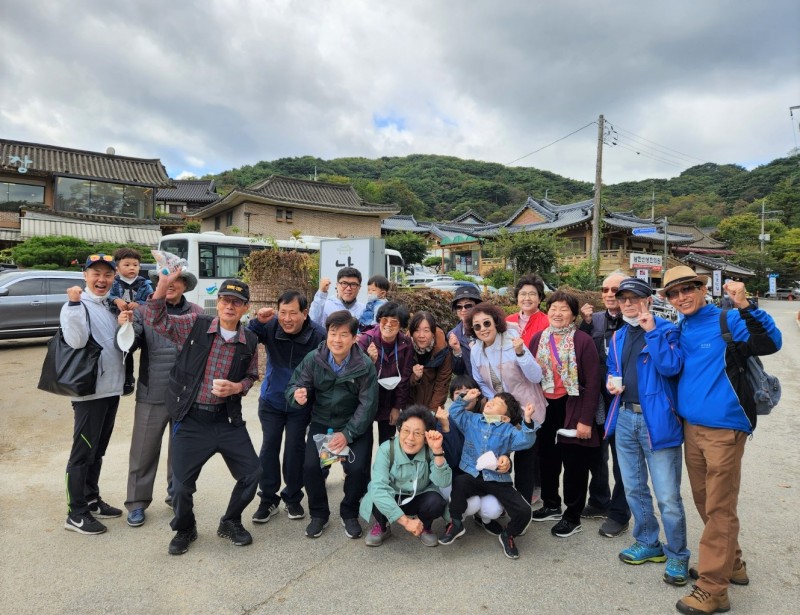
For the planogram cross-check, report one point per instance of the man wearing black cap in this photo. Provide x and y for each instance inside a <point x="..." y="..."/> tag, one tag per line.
<point x="643" y="363"/>
<point x="217" y="364"/>
<point x="157" y="355"/>
<point x="466" y="298"/>
<point x="85" y="314"/>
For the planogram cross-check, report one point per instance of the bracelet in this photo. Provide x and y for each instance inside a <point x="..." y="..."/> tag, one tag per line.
<point x="520" y="354"/>
<point x="439" y="454"/>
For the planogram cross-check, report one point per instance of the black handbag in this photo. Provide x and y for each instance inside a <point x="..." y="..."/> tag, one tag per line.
<point x="71" y="371"/>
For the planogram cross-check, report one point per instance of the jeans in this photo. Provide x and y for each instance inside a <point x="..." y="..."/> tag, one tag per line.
<point x="274" y="423"/>
<point x="664" y="466"/>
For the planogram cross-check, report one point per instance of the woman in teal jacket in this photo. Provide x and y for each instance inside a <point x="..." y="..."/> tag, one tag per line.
<point x="407" y="474"/>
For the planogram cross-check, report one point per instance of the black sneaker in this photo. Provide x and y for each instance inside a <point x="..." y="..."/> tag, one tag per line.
<point x="454" y="530"/>
<point x="491" y="527"/>
<point x="594" y="512"/>
<point x="295" y="510"/>
<point x="181" y="541"/>
<point x="234" y="530"/>
<point x="101" y="510"/>
<point x="352" y="528"/>
<point x="565" y="528"/>
<point x="314" y="529"/>
<point x="509" y="548"/>
<point x="84" y="523"/>
<point x="546" y="514"/>
<point x="265" y="512"/>
<point x="128" y="387"/>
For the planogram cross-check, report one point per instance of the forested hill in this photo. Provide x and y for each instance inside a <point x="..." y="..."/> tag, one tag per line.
<point x="443" y="187"/>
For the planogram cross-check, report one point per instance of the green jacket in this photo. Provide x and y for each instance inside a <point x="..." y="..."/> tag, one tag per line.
<point x="387" y="483"/>
<point x="347" y="402"/>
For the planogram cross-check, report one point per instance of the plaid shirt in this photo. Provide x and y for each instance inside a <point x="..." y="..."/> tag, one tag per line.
<point x="177" y="329"/>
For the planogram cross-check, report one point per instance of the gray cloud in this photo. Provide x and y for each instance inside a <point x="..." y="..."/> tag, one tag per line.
<point x="209" y="86"/>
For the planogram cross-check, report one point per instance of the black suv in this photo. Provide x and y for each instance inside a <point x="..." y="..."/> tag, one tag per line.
<point x="30" y="301"/>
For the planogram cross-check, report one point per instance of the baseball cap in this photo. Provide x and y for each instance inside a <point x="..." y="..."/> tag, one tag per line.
<point x="638" y="287"/>
<point x="100" y="259"/>
<point x="235" y="288"/>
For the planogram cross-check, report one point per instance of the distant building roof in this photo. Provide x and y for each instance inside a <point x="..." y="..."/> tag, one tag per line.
<point x="712" y="263"/>
<point x="190" y="191"/>
<point x="469" y="217"/>
<point x="628" y="221"/>
<point x="42" y="160"/>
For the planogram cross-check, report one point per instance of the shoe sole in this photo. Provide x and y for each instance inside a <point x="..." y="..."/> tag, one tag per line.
<point x="267" y="518"/>
<point x="676" y="581"/>
<point x="457" y="536"/>
<point x="548" y="518"/>
<point x="349" y="535"/>
<point x="234" y="543"/>
<point x="506" y="553"/>
<point x="319" y="533"/>
<point x="612" y="534"/>
<point x="594" y="516"/>
<point x="139" y="524"/>
<point x="576" y="530"/>
<point x="99" y="515"/>
<point x="431" y="544"/>
<point x="657" y="559"/>
<point x="295" y="517"/>
<point x="696" y="575"/>
<point x="177" y="552"/>
<point x="73" y="528"/>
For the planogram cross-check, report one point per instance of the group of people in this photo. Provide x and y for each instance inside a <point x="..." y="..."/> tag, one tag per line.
<point x="479" y="421"/>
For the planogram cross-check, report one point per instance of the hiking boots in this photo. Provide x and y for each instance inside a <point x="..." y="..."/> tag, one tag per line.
<point x="699" y="601"/>
<point x="738" y="576"/>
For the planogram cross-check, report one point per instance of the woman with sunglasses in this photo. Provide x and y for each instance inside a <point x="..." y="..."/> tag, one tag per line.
<point x="501" y="363"/>
<point x="430" y="378"/>
<point x="570" y="368"/>
<point x="393" y="354"/>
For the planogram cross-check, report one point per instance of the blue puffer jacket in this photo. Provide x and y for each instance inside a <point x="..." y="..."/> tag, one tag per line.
<point x="657" y="365"/>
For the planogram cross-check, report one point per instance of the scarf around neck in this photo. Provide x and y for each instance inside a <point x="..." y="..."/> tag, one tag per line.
<point x="559" y="355"/>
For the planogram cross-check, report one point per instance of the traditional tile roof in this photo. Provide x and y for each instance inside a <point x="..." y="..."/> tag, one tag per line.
<point x="702" y="242"/>
<point x="465" y="218"/>
<point x="300" y="193"/>
<point x="628" y="221"/>
<point x="42" y="160"/>
<point x="190" y="191"/>
<point x="717" y="263"/>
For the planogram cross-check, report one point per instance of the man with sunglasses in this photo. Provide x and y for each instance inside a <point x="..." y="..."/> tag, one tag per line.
<point x="718" y="418"/>
<point x="217" y="364"/>
<point x="87" y="314"/>
<point x="603" y="502"/>
<point x="348" y="282"/>
<point x="460" y="342"/>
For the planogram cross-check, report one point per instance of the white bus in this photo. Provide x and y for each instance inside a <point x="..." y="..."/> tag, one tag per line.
<point x="213" y="257"/>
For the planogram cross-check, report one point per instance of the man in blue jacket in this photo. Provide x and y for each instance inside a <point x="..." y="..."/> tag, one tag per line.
<point x="287" y="338"/>
<point x="644" y="354"/>
<point x="716" y="424"/>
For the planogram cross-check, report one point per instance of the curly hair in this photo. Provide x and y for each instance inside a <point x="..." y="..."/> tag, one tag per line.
<point x="495" y="312"/>
<point x="417" y="411"/>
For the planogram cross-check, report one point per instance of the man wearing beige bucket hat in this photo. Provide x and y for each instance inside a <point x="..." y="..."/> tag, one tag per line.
<point x="718" y="417"/>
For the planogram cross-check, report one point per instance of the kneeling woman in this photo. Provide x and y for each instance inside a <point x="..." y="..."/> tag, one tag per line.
<point x="407" y="474"/>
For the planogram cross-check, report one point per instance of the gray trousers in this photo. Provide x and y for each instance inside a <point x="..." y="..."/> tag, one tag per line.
<point x="149" y="423"/>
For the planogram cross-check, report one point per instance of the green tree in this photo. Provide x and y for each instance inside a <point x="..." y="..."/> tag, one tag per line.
<point x="411" y="246"/>
<point x="582" y="276"/>
<point x="530" y="251"/>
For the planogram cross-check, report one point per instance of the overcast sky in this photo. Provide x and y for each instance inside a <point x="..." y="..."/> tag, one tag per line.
<point x="209" y="86"/>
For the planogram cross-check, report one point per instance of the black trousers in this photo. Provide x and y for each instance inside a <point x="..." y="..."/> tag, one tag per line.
<point x="526" y="471"/>
<point x="275" y="423"/>
<point x="600" y="493"/>
<point x="356" y="475"/>
<point x="550" y="461"/>
<point x="385" y="431"/>
<point x="93" y="424"/>
<point x="195" y="440"/>
<point x="427" y="506"/>
<point x="517" y="508"/>
<point x="576" y="459"/>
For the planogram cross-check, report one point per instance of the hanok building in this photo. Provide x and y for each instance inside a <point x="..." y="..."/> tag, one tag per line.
<point x="47" y="190"/>
<point x="186" y="196"/>
<point x="282" y="207"/>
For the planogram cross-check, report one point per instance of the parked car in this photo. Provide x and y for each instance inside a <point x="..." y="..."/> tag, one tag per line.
<point x="451" y="285"/>
<point x="784" y="293"/>
<point x="31" y="300"/>
<point x="422" y="279"/>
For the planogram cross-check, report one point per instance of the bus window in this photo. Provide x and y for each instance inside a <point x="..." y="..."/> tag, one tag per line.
<point x="230" y="260"/>
<point x="206" y="269"/>
<point x="178" y="247"/>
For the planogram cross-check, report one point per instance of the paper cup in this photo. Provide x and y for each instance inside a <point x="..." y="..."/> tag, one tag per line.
<point x="617" y="382"/>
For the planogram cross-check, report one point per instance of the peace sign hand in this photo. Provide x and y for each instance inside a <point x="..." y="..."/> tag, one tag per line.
<point x="646" y="320"/>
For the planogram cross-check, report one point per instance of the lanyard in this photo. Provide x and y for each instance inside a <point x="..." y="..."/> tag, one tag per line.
<point x="554" y="351"/>
<point x="396" y="359"/>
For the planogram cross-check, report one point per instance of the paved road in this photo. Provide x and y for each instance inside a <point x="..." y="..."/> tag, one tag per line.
<point x="46" y="569"/>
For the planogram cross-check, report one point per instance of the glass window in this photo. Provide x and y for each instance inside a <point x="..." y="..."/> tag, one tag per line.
<point x="27" y="287"/>
<point x="217" y="223"/>
<point x="59" y="286"/>
<point x="206" y="261"/>
<point x="279" y="214"/>
<point x="178" y="247"/>
<point x="93" y="197"/>
<point x="73" y="195"/>
<point x="14" y="195"/>
<point x="288" y="215"/>
<point x="229" y="219"/>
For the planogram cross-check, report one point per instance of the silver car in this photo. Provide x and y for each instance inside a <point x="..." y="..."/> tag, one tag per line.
<point x="30" y="301"/>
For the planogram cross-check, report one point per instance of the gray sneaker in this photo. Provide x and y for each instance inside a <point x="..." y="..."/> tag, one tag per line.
<point x="377" y="535"/>
<point x="428" y="538"/>
<point x="612" y="528"/>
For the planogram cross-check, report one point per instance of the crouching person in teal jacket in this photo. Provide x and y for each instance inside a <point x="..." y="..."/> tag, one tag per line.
<point x="407" y="474"/>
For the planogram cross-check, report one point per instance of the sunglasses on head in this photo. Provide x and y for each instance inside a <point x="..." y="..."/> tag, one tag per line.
<point x="683" y="290"/>
<point x="477" y="326"/>
<point x="101" y="257"/>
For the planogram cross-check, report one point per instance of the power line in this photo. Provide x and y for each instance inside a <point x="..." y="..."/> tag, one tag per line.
<point x="664" y="147"/>
<point x="549" y="144"/>
<point x="646" y="155"/>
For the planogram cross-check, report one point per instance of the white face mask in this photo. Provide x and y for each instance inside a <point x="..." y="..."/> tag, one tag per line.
<point x="372" y="296"/>
<point x="493" y="418"/>
<point x="125" y="337"/>
<point x="389" y="383"/>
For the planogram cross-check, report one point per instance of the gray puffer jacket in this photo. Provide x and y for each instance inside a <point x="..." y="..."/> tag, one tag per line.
<point x="157" y="354"/>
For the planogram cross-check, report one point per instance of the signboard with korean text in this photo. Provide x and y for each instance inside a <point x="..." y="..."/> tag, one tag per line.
<point x="716" y="283"/>
<point x="645" y="261"/>
<point x="648" y="230"/>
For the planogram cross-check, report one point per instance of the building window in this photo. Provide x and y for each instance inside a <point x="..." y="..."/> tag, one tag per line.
<point x="229" y="219"/>
<point x="92" y="197"/>
<point x="14" y="195"/>
<point x="279" y="214"/>
<point x="575" y="245"/>
<point x="217" y="223"/>
<point x="289" y="215"/>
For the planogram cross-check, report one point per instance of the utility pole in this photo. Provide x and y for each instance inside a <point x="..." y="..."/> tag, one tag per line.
<point x="664" y="267"/>
<point x="598" y="178"/>
<point x="762" y="237"/>
<point x="653" y="207"/>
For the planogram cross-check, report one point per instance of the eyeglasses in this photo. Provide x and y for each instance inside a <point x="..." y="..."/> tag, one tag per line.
<point x="610" y="289"/>
<point x="349" y="284"/>
<point x="101" y="257"/>
<point x="389" y="322"/>
<point x="464" y="306"/>
<point x="683" y="290"/>
<point x="629" y="299"/>
<point x="405" y="433"/>
<point x="532" y="294"/>
<point x="486" y="324"/>
<point x="234" y="301"/>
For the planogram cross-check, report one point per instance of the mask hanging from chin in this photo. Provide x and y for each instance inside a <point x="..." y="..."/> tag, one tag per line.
<point x="492" y="418"/>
